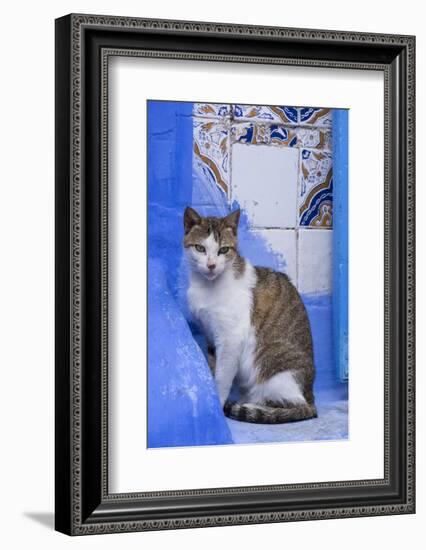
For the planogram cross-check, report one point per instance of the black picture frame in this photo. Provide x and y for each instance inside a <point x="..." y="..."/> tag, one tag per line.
<point x="83" y="45"/>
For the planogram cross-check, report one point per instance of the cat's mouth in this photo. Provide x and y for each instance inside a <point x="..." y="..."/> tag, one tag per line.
<point x="210" y="275"/>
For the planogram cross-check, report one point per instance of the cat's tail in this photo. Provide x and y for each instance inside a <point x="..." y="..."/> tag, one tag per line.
<point x="264" y="414"/>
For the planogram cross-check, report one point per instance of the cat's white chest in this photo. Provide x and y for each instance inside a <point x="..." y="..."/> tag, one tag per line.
<point x="224" y="307"/>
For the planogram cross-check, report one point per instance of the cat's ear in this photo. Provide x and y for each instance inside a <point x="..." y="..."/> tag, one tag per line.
<point x="232" y="219"/>
<point x="190" y="218"/>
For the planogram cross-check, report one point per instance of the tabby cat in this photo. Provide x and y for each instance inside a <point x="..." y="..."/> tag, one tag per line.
<point x="255" y="324"/>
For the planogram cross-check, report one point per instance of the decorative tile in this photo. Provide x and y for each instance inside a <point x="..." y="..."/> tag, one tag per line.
<point x="262" y="113"/>
<point x="282" y="243"/>
<point x="316" y="189"/>
<point x="316" y="116"/>
<point x="256" y="133"/>
<point x="317" y="138"/>
<point x="211" y="151"/>
<point x="264" y="182"/>
<point x="304" y="129"/>
<point x="315" y="249"/>
<point x="212" y="110"/>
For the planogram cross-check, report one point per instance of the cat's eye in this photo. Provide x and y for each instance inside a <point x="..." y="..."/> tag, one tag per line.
<point x="199" y="248"/>
<point x="224" y="250"/>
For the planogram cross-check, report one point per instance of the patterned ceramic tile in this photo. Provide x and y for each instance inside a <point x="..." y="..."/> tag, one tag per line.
<point x="262" y="113"/>
<point x="256" y="133"/>
<point x="315" y="189"/>
<point x="316" y="116"/>
<point x="317" y="138"/>
<point x="211" y="150"/>
<point x="212" y="110"/>
<point x="305" y="128"/>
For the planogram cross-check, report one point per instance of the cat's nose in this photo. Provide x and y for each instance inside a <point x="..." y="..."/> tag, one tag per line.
<point x="212" y="267"/>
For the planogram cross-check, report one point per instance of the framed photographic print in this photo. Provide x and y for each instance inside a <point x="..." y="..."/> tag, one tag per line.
<point x="234" y="274"/>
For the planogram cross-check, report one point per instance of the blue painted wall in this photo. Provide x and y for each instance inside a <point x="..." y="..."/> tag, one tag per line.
<point x="183" y="408"/>
<point x="340" y="241"/>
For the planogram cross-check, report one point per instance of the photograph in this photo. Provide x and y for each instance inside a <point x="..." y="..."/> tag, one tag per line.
<point x="247" y="241"/>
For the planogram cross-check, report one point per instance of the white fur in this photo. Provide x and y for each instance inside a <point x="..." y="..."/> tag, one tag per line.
<point x="223" y="307"/>
<point x="280" y="387"/>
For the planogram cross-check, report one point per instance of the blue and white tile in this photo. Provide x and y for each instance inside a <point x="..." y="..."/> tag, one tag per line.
<point x="263" y="113"/>
<point x="256" y="133"/>
<point x="212" y="110"/>
<point x="314" y="138"/>
<point x="211" y="151"/>
<point x="315" y="193"/>
<point x="316" y="116"/>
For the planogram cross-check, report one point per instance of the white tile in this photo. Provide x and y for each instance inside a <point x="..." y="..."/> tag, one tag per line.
<point x="264" y="182"/>
<point x="282" y="242"/>
<point x="315" y="260"/>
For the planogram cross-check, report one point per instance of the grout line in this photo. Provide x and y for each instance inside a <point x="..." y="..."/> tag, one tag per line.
<point x="280" y="124"/>
<point x="274" y="228"/>
<point x="285" y="146"/>
<point x="297" y="258"/>
<point x="289" y="228"/>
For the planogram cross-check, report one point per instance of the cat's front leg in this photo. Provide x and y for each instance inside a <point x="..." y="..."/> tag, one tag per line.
<point x="225" y="371"/>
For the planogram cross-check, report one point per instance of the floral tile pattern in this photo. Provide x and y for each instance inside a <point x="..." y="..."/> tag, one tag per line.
<point x="211" y="150"/>
<point x="217" y="126"/>
<point x="315" y="115"/>
<point x="262" y="113"/>
<point x="211" y="110"/>
<point x="275" y="134"/>
<point x="256" y="133"/>
<point x="316" y="138"/>
<point x="315" y="189"/>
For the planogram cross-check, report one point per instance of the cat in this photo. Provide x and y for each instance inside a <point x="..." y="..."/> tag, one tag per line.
<point x="255" y="324"/>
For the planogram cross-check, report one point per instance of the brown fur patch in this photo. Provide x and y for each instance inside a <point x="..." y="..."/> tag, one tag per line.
<point x="283" y="331"/>
<point x="239" y="266"/>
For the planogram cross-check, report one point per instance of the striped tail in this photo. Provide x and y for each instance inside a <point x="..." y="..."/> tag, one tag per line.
<point x="263" y="414"/>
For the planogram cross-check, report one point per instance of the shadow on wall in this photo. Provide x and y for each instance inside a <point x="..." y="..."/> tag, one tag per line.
<point x="183" y="408"/>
